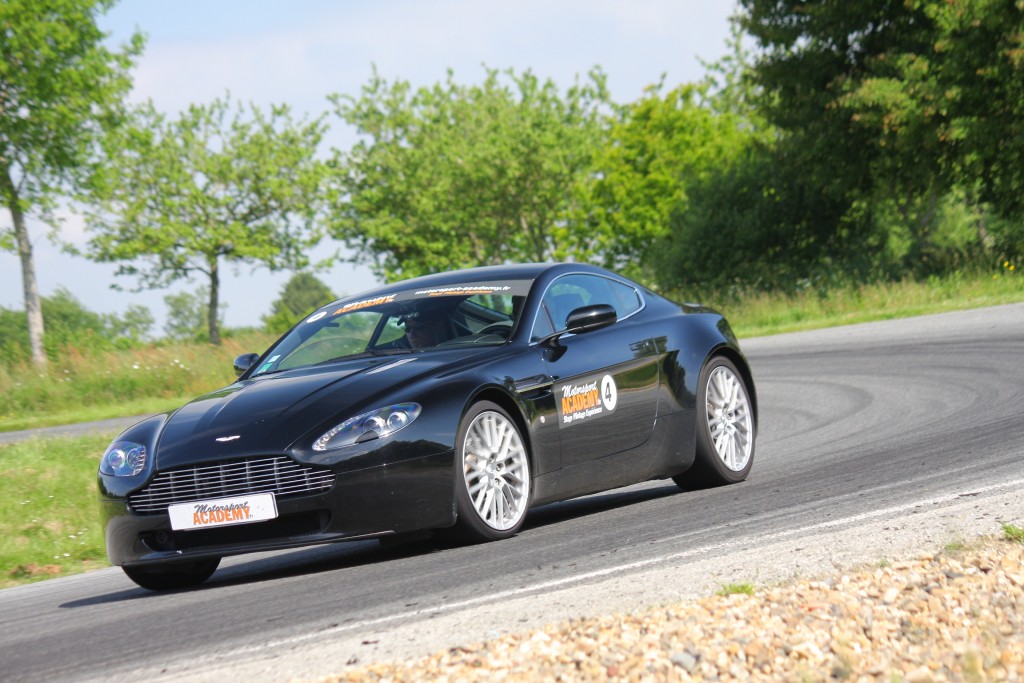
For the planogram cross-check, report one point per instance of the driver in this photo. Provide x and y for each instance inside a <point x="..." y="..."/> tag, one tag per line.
<point x="426" y="328"/>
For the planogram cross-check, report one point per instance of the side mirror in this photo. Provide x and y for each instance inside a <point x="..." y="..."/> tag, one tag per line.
<point x="245" y="361"/>
<point x="590" y="318"/>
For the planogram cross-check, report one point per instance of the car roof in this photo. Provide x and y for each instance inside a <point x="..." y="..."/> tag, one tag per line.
<point x="518" y="271"/>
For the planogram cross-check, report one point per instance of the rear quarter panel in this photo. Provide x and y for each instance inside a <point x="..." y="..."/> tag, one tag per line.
<point x="688" y="336"/>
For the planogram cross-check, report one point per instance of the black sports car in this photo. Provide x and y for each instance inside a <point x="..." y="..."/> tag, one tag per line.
<point x="456" y="400"/>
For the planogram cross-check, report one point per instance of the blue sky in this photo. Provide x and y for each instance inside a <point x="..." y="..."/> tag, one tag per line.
<point x="300" y="52"/>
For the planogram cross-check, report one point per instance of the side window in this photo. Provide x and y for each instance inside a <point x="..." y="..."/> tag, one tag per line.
<point x="624" y="298"/>
<point x="542" y="326"/>
<point x="572" y="291"/>
<point x="565" y="296"/>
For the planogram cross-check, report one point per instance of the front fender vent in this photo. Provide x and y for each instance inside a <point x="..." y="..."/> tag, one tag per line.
<point x="273" y="474"/>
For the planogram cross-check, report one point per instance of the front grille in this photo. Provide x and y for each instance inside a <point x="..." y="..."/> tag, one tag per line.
<point x="275" y="474"/>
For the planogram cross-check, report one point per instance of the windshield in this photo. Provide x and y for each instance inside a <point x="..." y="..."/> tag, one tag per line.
<point x="463" y="315"/>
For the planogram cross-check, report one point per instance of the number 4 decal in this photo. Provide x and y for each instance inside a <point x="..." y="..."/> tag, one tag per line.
<point x="609" y="393"/>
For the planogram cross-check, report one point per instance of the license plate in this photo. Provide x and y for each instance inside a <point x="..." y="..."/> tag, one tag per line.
<point x="204" y="514"/>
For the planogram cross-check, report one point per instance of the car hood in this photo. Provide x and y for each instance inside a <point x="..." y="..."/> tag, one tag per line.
<point x="268" y="414"/>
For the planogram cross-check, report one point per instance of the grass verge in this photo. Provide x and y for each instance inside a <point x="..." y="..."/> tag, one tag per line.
<point x="90" y="413"/>
<point x="759" y="314"/>
<point x="49" y="521"/>
<point x="93" y="385"/>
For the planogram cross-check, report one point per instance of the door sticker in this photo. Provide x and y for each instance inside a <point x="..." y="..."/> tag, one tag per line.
<point x="609" y="394"/>
<point x="586" y="400"/>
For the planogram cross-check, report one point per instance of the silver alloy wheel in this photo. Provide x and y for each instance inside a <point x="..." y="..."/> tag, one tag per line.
<point x="497" y="470"/>
<point x="729" y="418"/>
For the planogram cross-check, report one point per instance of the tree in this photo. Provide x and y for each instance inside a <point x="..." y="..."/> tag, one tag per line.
<point x="978" y="55"/>
<point x="453" y="175"/>
<point x="70" y="324"/>
<point x="658" y="148"/>
<point x="59" y="89"/>
<point x="133" y="327"/>
<point x="899" y="101"/>
<point x="186" y="315"/>
<point x="758" y="221"/>
<point x="213" y="187"/>
<point x="301" y="294"/>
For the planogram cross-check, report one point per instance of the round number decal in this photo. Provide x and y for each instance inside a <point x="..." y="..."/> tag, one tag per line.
<point x="609" y="394"/>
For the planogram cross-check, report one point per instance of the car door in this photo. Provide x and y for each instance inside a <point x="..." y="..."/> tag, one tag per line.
<point x="605" y="381"/>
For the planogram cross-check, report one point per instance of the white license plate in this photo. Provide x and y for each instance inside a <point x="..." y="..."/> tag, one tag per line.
<point x="204" y="514"/>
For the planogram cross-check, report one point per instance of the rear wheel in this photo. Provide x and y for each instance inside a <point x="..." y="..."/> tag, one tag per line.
<point x="171" y="576"/>
<point x="492" y="475"/>
<point x="725" y="428"/>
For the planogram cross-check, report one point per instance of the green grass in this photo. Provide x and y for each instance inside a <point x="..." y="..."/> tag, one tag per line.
<point x="759" y="314"/>
<point x="84" y="386"/>
<point x="735" y="589"/>
<point x="1014" y="533"/>
<point x="89" y="413"/>
<point x="49" y="515"/>
<point x="955" y="547"/>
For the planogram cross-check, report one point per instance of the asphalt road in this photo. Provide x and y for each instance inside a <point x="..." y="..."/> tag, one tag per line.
<point x="863" y="424"/>
<point x="111" y="426"/>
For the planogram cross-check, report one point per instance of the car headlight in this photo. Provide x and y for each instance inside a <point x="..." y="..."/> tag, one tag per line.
<point x="368" y="426"/>
<point x="123" y="459"/>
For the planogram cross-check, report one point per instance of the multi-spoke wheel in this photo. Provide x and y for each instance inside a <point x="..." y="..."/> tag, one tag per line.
<point x="170" y="576"/>
<point x="492" y="477"/>
<point x="725" y="428"/>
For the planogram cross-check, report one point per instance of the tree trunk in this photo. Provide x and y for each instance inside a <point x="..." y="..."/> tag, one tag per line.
<point x="212" y="323"/>
<point x="33" y="305"/>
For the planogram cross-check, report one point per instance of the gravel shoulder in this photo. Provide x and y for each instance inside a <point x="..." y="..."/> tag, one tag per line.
<point x="952" y="616"/>
<point x="884" y="597"/>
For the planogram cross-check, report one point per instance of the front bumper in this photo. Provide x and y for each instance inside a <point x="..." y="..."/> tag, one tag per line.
<point x="393" y="498"/>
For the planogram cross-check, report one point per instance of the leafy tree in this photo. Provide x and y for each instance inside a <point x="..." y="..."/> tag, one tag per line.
<point x="186" y="315"/>
<point x="59" y="88"/>
<point x="899" y="102"/>
<point x="134" y="326"/>
<point x="214" y="187"/>
<point x="758" y="221"/>
<point x="456" y="175"/>
<point x="658" y="148"/>
<point x="978" y="54"/>
<point x="302" y="293"/>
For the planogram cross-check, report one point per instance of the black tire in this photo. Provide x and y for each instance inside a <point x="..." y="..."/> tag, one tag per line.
<point x="172" y="576"/>
<point x="503" y="469"/>
<point x="730" y="461"/>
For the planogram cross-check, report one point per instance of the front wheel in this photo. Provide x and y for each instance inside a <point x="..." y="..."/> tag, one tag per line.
<point x="172" y="576"/>
<point x="725" y="428"/>
<point x="492" y="475"/>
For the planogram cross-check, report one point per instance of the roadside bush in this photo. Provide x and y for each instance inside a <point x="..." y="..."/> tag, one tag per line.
<point x="70" y="325"/>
